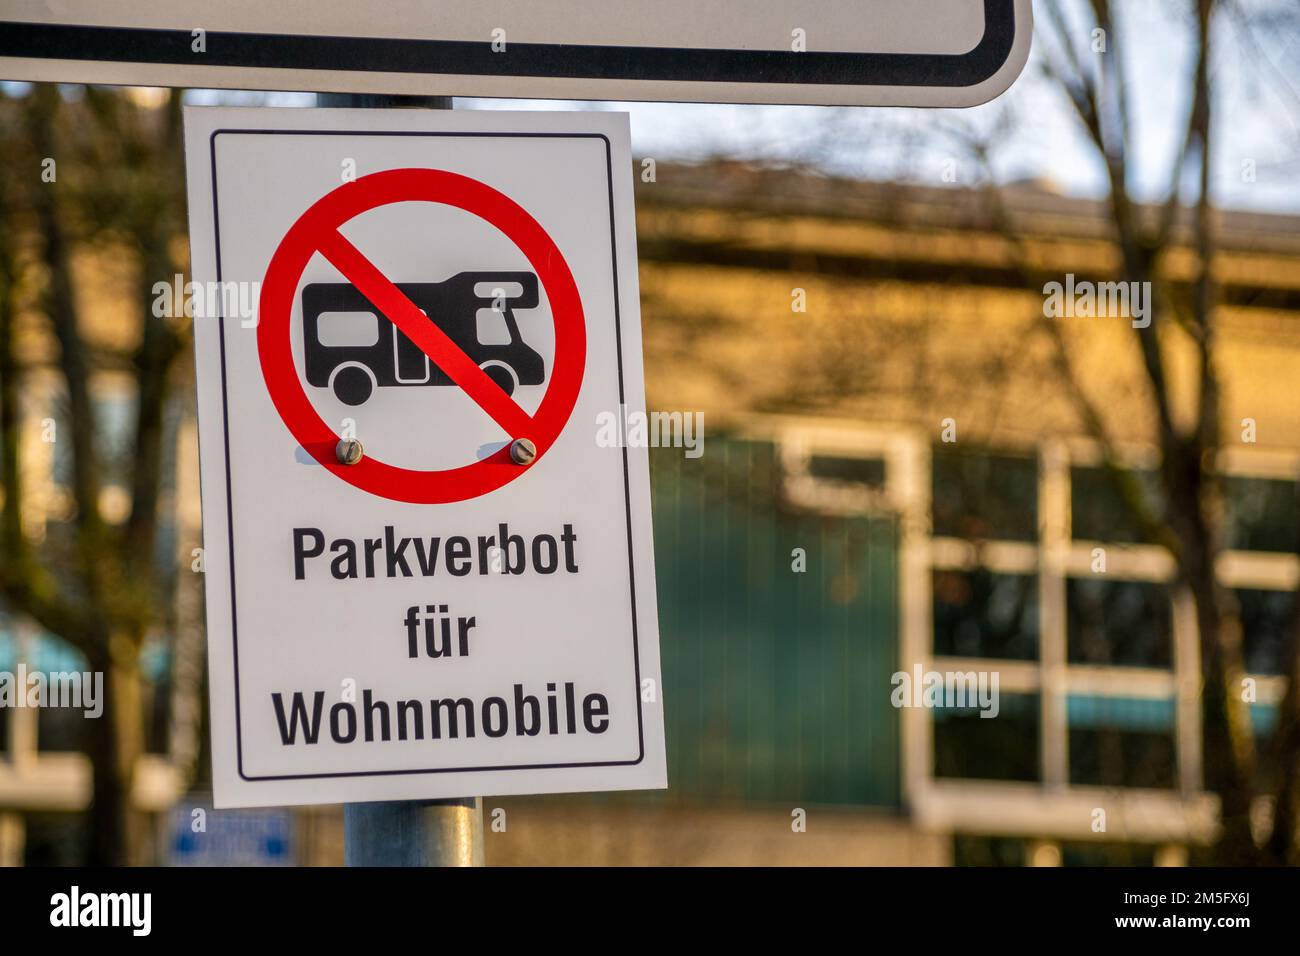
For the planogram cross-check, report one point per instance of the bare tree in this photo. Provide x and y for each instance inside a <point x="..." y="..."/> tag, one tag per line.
<point x="120" y="185"/>
<point x="1194" y="515"/>
<point x="1085" y="61"/>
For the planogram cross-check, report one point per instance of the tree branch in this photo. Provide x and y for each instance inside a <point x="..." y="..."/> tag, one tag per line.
<point x="159" y="347"/>
<point x="28" y="587"/>
<point x="61" y="308"/>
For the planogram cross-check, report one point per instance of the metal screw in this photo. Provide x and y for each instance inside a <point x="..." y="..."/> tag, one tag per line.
<point x="348" y="451"/>
<point x="522" y="451"/>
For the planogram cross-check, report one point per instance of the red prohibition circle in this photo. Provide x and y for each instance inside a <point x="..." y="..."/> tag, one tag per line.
<point x="317" y="231"/>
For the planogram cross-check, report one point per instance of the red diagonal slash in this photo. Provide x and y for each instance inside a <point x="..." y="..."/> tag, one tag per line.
<point x="425" y="333"/>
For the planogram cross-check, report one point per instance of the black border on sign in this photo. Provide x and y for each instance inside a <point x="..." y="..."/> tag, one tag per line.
<point x="230" y="517"/>
<point x="60" y="41"/>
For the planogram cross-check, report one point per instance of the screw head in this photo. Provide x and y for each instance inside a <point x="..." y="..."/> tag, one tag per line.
<point x="522" y="451"/>
<point x="348" y="451"/>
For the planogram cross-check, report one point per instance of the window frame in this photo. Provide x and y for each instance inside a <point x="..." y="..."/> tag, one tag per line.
<point x="1052" y="806"/>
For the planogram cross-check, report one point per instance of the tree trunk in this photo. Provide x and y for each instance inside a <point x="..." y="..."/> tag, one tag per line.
<point x="117" y="742"/>
<point x="1228" y="736"/>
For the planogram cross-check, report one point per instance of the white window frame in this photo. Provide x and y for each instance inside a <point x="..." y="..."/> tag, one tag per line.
<point x="1050" y="807"/>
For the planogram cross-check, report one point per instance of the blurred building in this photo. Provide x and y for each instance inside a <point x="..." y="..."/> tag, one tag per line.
<point x="895" y="477"/>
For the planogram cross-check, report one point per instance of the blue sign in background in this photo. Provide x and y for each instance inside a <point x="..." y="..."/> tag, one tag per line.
<point x="262" y="837"/>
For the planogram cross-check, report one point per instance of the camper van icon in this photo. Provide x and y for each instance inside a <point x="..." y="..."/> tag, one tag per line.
<point x="352" y="348"/>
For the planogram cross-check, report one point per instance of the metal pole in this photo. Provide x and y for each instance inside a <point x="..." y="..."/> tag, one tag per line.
<point x="409" y="832"/>
<point x="414" y="833"/>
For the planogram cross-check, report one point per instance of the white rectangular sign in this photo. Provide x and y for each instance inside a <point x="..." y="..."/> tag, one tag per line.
<point x="428" y="575"/>
<point x="849" y="52"/>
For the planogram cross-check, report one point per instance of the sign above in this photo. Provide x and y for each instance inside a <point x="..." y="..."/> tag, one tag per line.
<point x="829" y="52"/>
<point x="427" y="574"/>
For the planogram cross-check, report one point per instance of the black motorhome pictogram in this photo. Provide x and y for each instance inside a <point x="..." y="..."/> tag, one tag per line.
<point x="361" y="355"/>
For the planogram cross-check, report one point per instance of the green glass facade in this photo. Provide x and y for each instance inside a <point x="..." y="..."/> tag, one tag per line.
<point x="776" y="681"/>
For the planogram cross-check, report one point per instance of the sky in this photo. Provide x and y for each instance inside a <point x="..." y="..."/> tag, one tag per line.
<point x="1033" y="129"/>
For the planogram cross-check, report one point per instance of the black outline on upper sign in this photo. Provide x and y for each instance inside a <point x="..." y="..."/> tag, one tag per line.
<point x="553" y="60"/>
<point x="627" y="492"/>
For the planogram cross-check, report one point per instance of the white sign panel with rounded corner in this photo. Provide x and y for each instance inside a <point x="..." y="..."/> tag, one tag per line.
<point x="831" y="52"/>
<point x="427" y="574"/>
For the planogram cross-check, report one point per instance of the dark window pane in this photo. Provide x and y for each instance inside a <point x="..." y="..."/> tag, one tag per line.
<point x="1117" y="758"/>
<point x="982" y="496"/>
<point x="971" y="850"/>
<point x="1267" y="618"/>
<point x="863" y="471"/>
<point x="1004" y="747"/>
<point x="982" y="614"/>
<point x="62" y="728"/>
<point x="1261" y="514"/>
<point x="1119" y="742"/>
<point x="1107" y="854"/>
<point x="1118" y="622"/>
<point x="1098" y="510"/>
<point x="55" y="839"/>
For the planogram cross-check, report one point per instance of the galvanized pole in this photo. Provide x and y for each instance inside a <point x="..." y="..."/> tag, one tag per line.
<point x="414" y="833"/>
<point x="409" y="832"/>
